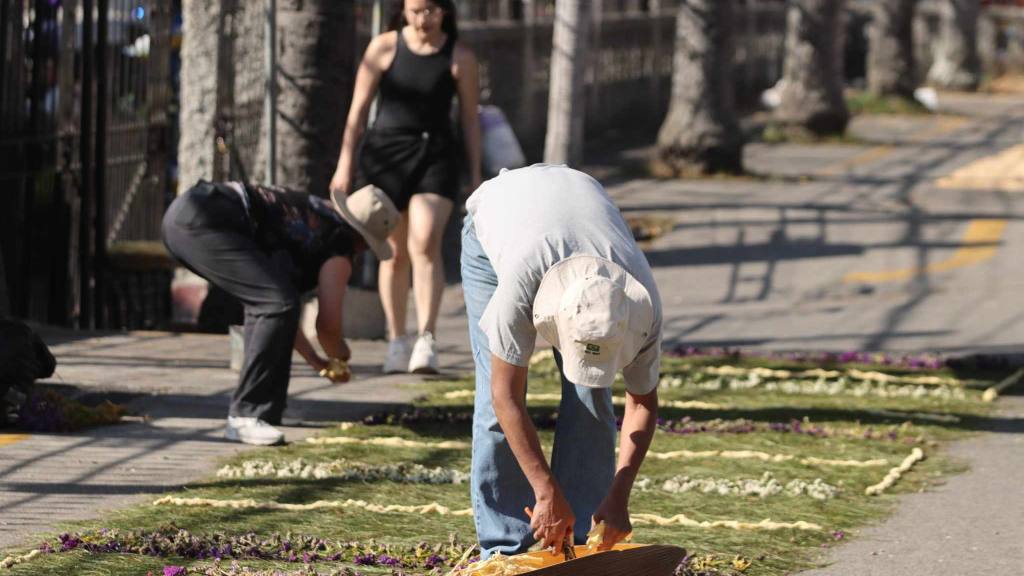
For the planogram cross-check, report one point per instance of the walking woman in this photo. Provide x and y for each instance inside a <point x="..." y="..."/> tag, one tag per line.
<point x="266" y="246"/>
<point x="410" y="152"/>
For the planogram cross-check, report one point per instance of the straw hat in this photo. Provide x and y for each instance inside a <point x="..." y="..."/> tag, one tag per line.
<point x="372" y="214"/>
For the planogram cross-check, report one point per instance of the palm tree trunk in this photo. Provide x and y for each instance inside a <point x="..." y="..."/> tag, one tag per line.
<point x="956" y="64"/>
<point x="891" y="69"/>
<point x="207" y="96"/>
<point x="566" y="104"/>
<point x="204" y="53"/>
<point x="812" y="84"/>
<point x="701" y="133"/>
<point x="316" y="57"/>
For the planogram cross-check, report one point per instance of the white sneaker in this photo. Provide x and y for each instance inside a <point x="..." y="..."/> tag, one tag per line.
<point x="252" y="431"/>
<point x="424" y="355"/>
<point x="397" y="359"/>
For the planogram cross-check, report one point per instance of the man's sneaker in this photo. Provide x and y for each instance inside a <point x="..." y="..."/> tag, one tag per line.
<point x="252" y="431"/>
<point x="424" y="355"/>
<point x="397" y="359"/>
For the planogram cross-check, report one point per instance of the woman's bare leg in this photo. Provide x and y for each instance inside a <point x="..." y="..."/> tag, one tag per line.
<point x="394" y="280"/>
<point x="428" y="216"/>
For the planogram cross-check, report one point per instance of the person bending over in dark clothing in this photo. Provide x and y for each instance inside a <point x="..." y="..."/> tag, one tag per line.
<point x="266" y="246"/>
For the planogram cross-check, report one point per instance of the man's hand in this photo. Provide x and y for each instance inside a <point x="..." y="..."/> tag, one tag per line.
<point x="614" y="512"/>
<point x="552" y="520"/>
<point x="336" y="371"/>
<point x="316" y="362"/>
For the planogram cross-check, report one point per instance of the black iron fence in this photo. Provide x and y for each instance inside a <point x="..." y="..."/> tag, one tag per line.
<point x="84" y="140"/>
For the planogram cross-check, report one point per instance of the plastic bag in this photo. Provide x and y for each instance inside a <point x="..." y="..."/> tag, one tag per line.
<point x="499" y="146"/>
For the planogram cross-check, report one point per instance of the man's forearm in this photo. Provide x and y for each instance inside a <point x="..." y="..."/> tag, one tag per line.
<point x="305" y="349"/>
<point x="638" y="427"/>
<point x="522" y="438"/>
<point x="333" y="343"/>
<point x="508" y="394"/>
<point x="334" y="276"/>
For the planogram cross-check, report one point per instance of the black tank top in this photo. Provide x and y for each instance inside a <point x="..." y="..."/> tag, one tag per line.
<point x="416" y="90"/>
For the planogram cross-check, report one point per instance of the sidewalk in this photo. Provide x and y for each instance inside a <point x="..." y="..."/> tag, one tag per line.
<point x="182" y="384"/>
<point x="767" y="263"/>
<point x="971" y="525"/>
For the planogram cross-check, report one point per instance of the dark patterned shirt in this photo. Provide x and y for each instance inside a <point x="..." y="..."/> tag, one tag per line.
<point x="305" y="226"/>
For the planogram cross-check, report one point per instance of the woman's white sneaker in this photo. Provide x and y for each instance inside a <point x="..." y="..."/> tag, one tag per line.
<point x="397" y="359"/>
<point x="252" y="431"/>
<point x="424" y="355"/>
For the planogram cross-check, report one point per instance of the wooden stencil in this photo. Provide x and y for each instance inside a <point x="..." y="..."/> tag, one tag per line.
<point x="656" y="560"/>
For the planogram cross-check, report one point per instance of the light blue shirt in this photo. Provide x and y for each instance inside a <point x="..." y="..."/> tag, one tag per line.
<point x="529" y="219"/>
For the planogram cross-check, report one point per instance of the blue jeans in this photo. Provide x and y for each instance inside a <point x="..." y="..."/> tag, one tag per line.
<point x="583" y="456"/>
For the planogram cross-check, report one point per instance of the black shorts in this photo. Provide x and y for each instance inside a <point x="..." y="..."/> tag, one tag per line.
<point x="402" y="163"/>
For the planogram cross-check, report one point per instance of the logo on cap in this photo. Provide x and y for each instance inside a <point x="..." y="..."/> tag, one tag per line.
<point x="592" y="349"/>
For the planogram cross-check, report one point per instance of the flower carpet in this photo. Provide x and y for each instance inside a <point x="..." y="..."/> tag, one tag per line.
<point x="758" y="464"/>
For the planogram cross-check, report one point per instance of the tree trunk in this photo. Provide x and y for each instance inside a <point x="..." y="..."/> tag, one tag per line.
<point x="701" y="133"/>
<point x="812" y="79"/>
<point x="957" y="65"/>
<point x="316" y="56"/>
<point x="988" y="46"/>
<point x="250" y="79"/>
<point x="204" y="56"/>
<point x="566" y="104"/>
<point x="891" y="70"/>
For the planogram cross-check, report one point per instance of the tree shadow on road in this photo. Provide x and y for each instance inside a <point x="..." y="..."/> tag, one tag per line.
<point x="887" y="191"/>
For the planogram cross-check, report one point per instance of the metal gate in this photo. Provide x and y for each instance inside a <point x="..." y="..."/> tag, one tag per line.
<point x="84" y="139"/>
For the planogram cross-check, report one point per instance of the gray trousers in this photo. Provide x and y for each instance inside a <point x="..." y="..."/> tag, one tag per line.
<point x="207" y="229"/>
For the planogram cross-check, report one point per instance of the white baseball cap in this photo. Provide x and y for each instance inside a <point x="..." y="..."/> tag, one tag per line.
<point x="596" y="315"/>
<point x="373" y="215"/>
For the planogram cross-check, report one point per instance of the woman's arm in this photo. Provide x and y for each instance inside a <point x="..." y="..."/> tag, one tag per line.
<point x="376" y="60"/>
<point x="467" y="78"/>
<point x="635" y="438"/>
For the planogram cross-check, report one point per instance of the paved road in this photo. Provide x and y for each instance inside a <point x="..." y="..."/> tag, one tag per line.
<point x="849" y="246"/>
<point x="836" y="247"/>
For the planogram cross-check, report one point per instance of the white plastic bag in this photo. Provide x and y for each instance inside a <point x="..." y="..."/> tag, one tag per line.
<point x="499" y="146"/>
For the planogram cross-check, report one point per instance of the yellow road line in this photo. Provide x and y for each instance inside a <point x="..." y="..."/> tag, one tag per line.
<point x="6" y="439"/>
<point x="1001" y="172"/>
<point x="981" y="239"/>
